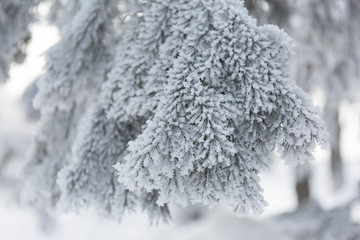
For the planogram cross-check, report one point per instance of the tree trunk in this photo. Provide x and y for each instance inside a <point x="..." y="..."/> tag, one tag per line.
<point x="336" y="161"/>
<point x="303" y="174"/>
<point x="332" y="118"/>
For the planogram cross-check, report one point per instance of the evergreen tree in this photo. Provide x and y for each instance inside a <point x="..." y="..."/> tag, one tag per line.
<point x="331" y="29"/>
<point x="226" y="105"/>
<point x="76" y="66"/>
<point x="15" y="19"/>
<point x="327" y="54"/>
<point x="91" y="175"/>
<point x="189" y="108"/>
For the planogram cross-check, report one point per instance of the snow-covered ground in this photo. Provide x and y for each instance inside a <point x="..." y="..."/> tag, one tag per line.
<point x="19" y="223"/>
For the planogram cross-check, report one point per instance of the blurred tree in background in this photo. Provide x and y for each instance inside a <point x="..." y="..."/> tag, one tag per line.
<point x="326" y="33"/>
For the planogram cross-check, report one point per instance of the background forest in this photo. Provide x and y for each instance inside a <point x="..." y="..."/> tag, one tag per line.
<point x="73" y="92"/>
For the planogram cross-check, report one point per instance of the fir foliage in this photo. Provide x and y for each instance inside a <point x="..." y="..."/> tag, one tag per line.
<point x="188" y="108"/>
<point x="76" y="67"/>
<point x="225" y="105"/>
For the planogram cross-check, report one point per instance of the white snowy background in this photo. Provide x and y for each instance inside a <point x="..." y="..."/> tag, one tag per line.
<point x="18" y="223"/>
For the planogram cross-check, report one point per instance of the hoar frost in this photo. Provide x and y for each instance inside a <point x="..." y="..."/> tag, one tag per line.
<point x="189" y="108"/>
<point x="224" y="107"/>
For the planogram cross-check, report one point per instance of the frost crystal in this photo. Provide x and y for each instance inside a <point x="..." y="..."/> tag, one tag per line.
<point x="225" y="106"/>
<point x="187" y="109"/>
